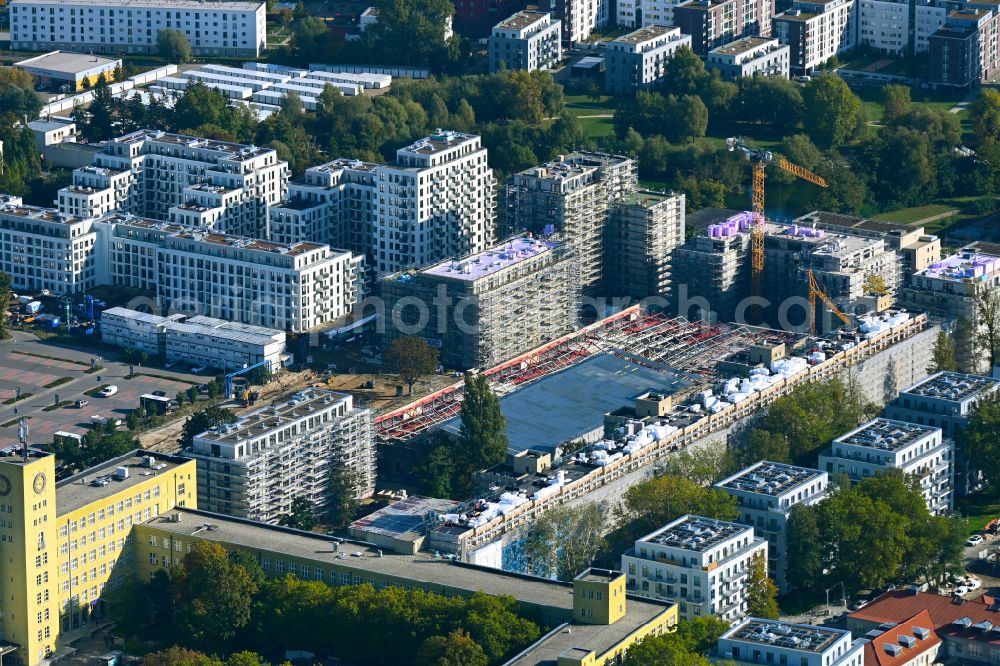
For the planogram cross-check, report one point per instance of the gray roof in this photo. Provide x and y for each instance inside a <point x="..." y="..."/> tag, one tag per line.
<point x="77" y="491"/>
<point x="571" y="403"/>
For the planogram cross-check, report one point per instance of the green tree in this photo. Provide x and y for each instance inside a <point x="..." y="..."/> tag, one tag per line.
<point x="215" y="594"/>
<point x="896" y="101"/>
<point x="133" y="421"/>
<point x="343" y="497"/>
<point x="985" y="114"/>
<point x="191" y="394"/>
<point x="565" y="540"/>
<point x="988" y="319"/>
<point x="245" y="658"/>
<point x="981" y="437"/>
<point x="179" y="656"/>
<point x="413" y="32"/>
<point x="17" y="93"/>
<point x="833" y="110"/>
<point x="300" y="515"/>
<point x="943" y="358"/>
<point x="967" y="352"/>
<point x="663" y="650"/>
<point x="181" y="397"/>
<point x="455" y="649"/>
<point x="703" y="465"/>
<point x="484" y="428"/>
<point x="173" y="46"/>
<point x="765" y="445"/>
<point x="800" y="150"/>
<point x="762" y="593"/>
<point x="656" y="502"/>
<point x="5" y="291"/>
<point x="203" y="420"/>
<point x="685" y="73"/>
<point x="701" y="634"/>
<point x="411" y="358"/>
<point x="199" y="105"/>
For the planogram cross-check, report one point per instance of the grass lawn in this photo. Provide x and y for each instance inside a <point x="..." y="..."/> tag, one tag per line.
<point x="597" y="127"/>
<point x="979" y="509"/>
<point x="915" y="214"/>
<point x="58" y="382"/>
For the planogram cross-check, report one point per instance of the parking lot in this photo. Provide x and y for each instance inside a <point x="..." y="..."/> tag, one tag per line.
<point x="47" y="370"/>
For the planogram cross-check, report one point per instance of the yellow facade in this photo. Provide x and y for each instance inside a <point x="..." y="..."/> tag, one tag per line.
<point x="599" y="596"/>
<point x="665" y="622"/>
<point x="57" y="565"/>
<point x="91" y="81"/>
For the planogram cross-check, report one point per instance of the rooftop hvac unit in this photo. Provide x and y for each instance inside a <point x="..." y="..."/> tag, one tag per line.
<point x="121" y="473"/>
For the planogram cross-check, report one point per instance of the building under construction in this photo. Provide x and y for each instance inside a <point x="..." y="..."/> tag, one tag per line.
<point x="488" y="307"/>
<point x="711" y="273"/>
<point x="639" y="239"/>
<point x="572" y="196"/>
<point x="255" y="468"/>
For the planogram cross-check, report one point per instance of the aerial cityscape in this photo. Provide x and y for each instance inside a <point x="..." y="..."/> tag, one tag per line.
<point x="486" y="333"/>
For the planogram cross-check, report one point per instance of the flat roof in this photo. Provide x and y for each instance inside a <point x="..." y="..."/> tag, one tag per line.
<point x="963" y="267"/>
<point x="274" y="416"/>
<point x="99" y="482"/>
<point x="771" y="478"/>
<point x="646" y="198"/>
<point x="953" y="386"/>
<point x="439" y="141"/>
<point x="645" y="34"/>
<point x="66" y="62"/>
<point x="572" y="402"/>
<point x="695" y="533"/>
<point x="48" y="125"/>
<point x="799" y="637"/>
<point x="522" y="20"/>
<point x="491" y="261"/>
<point x="742" y="45"/>
<point x="886" y="434"/>
<point x="231" y="150"/>
<point x="226" y="5"/>
<point x="407" y="515"/>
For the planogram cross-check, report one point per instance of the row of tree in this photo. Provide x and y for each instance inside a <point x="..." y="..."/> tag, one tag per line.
<point x="221" y="602"/>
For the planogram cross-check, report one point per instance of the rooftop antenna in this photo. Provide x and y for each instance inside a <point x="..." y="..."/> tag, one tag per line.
<point x="22" y="435"/>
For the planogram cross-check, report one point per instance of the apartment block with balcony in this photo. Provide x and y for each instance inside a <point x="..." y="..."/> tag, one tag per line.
<point x="965" y="51"/>
<point x="765" y="493"/>
<point x="528" y="41"/>
<point x="750" y="56"/>
<point x="638" y="60"/>
<point x="816" y="31"/>
<point x="699" y="563"/>
<point x="714" y="23"/>
<point x="759" y="641"/>
<point x="883" y="444"/>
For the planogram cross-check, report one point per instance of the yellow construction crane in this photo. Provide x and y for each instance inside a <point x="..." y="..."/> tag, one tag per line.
<point x="816" y="290"/>
<point x="760" y="159"/>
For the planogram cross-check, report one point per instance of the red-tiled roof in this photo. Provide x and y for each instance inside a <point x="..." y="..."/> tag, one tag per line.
<point x="876" y="653"/>
<point x="899" y="606"/>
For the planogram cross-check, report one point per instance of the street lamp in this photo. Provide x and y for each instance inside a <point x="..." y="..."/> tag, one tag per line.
<point x="843" y="594"/>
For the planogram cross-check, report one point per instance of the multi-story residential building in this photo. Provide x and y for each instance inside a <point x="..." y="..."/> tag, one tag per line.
<point x="640" y="13"/>
<point x="638" y="60"/>
<point x="572" y="196"/>
<point x="965" y="50"/>
<point x="714" y="23"/>
<point x="227" y="28"/>
<point x="41" y="248"/>
<point x="486" y="308"/>
<point x="712" y="272"/>
<point x="700" y="563"/>
<point x="899" y="28"/>
<point x="816" y="31"/>
<point x="65" y="544"/>
<point x="135" y="515"/>
<point x="757" y="641"/>
<point x="526" y="40"/>
<point x="946" y="400"/>
<point x="884" y="444"/>
<point x="475" y="18"/>
<point x="580" y="18"/>
<point x="198" y="340"/>
<point x="256" y="467"/>
<point x="765" y="493"/>
<point x="750" y="56"/>
<point x="224" y="186"/>
<point x="639" y="239"/>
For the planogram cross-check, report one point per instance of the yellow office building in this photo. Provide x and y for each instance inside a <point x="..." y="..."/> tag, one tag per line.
<point x="62" y="545"/>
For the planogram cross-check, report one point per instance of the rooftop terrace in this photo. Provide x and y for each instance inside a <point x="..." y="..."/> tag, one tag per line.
<point x="886" y="434"/>
<point x="770" y="478"/>
<point x="438" y="142"/>
<point x="695" y="533"/>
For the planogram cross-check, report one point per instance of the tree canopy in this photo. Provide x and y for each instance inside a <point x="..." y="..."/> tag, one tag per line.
<point x="411" y="358"/>
<point x="565" y="540"/>
<point x="484" y="428"/>
<point x="173" y="45"/>
<point x="654" y="503"/>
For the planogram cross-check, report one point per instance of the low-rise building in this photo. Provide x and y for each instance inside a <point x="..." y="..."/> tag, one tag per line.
<point x="638" y="60"/>
<point x="256" y="467"/>
<point x="750" y="56"/>
<point x="757" y="641"/>
<point x="816" y="31"/>
<point x="882" y="445"/>
<point x="699" y="563"/>
<point x="714" y="23"/>
<point x="51" y="132"/>
<point x="765" y="493"/>
<point x="486" y="308"/>
<point x="965" y="50"/>
<point x="639" y="239"/>
<point x="199" y="340"/>
<point x="945" y="400"/>
<point x="527" y="40"/>
<point x="63" y="71"/>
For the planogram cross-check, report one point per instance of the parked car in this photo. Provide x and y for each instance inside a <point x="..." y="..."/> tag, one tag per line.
<point x="160" y="394"/>
<point x="973" y="583"/>
<point x="974" y="540"/>
<point x="81" y="403"/>
<point x="859" y="604"/>
<point x="198" y="369"/>
<point x="97" y="419"/>
<point x="202" y="388"/>
<point x="108" y="391"/>
<point x="961" y="591"/>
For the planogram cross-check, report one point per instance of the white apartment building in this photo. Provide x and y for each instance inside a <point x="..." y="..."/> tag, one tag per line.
<point x="815" y="31"/>
<point x="750" y="56"/>
<point x="639" y="59"/>
<point x="757" y="641"/>
<point x="44" y="249"/>
<point x="527" y="40"/>
<point x="254" y="468"/>
<point x="898" y="28"/>
<point x="223" y="28"/>
<point x="699" y="563"/>
<point x="765" y="493"/>
<point x="198" y="340"/>
<point x="640" y="13"/>
<point x="223" y="186"/>
<point x="883" y="444"/>
<point x="435" y="201"/>
<point x="580" y="18"/>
